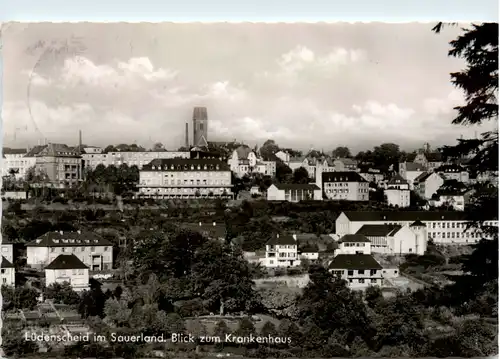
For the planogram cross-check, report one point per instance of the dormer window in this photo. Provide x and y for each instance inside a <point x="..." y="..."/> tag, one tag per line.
<point x="154" y="167"/>
<point x="56" y="240"/>
<point x="171" y="167"/>
<point x="192" y="167"/>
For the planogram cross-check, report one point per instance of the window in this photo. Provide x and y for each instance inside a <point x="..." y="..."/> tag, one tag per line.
<point x="3" y="271"/>
<point x="373" y="271"/>
<point x="350" y="272"/>
<point x="63" y="249"/>
<point x="4" y="280"/>
<point x="52" y="249"/>
<point x="361" y="281"/>
<point x="373" y="280"/>
<point x="92" y="249"/>
<point x="361" y="271"/>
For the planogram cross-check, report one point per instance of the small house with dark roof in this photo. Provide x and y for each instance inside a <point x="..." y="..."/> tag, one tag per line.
<point x="346" y="185"/>
<point x="454" y="172"/>
<point x="345" y="164"/>
<point x="359" y="270"/>
<point x="8" y="272"/>
<point x="294" y="192"/>
<point x="68" y="268"/>
<point x="7" y="250"/>
<point x="395" y="239"/>
<point x="354" y="244"/>
<point x="93" y="250"/>
<point x="397" y="192"/>
<point x="281" y="251"/>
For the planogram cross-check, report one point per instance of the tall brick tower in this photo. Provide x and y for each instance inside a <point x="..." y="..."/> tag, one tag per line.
<point x="200" y="127"/>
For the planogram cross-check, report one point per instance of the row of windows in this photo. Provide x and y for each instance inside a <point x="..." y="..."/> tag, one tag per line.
<point x="188" y="182"/>
<point x="355" y="244"/>
<point x="68" y="272"/>
<point x="226" y="174"/>
<point x="183" y="190"/>
<point x="289" y="255"/>
<point x="351" y="272"/>
<point x="456" y="235"/>
<point x="76" y="249"/>
<point x="282" y="246"/>
<point x="186" y="167"/>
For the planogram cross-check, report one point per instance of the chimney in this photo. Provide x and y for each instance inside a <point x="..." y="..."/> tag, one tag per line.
<point x="294" y="237"/>
<point x="79" y="142"/>
<point x="187" y="136"/>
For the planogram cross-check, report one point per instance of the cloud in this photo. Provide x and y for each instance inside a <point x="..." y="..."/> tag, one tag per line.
<point x="302" y="58"/>
<point x="81" y="71"/>
<point x="440" y="106"/>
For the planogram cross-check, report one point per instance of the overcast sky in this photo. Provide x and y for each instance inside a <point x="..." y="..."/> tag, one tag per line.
<point x="303" y="85"/>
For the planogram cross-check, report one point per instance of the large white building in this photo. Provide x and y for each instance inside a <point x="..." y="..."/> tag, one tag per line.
<point x="410" y="171"/>
<point x="347" y="186"/>
<point x="70" y="269"/>
<point x="93" y="158"/>
<point x="397" y="192"/>
<point x="8" y="251"/>
<point x="314" y="166"/>
<point x="354" y="263"/>
<point x="281" y="251"/>
<point x="17" y="161"/>
<point x="294" y="192"/>
<point x="396" y="239"/>
<point x="94" y="251"/>
<point x="185" y="178"/>
<point x="442" y="227"/>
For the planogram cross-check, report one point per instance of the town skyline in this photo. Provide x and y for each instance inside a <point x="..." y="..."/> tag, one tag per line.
<point x="302" y="85"/>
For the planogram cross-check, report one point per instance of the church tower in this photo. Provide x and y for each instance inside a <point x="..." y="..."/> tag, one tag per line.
<point x="200" y="127"/>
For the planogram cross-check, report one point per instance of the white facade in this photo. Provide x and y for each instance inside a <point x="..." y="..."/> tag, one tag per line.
<point x="428" y="185"/>
<point x="398" y="197"/>
<point x="139" y="159"/>
<point x="97" y="254"/>
<point x="17" y="162"/>
<point x="293" y="193"/>
<point x="8" y="273"/>
<point x="350" y="244"/>
<point x="346" y="185"/>
<point x="185" y="179"/>
<point x="312" y="256"/>
<point x="284" y="156"/>
<point x="8" y="251"/>
<point x="281" y="252"/>
<point x="410" y="171"/>
<point x="396" y="240"/>
<point x="455" y="201"/>
<point x="77" y="278"/>
<point x="442" y="227"/>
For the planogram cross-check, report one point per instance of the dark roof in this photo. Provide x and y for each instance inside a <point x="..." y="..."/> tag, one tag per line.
<point x="347" y="176"/>
<point x="354" y="238"/>
<point x="417" y="223"/>
<point x="5" y="263"/>
<point x="412" y="166"/>
<point x="354" y="261"/>
<point x="295" y="186"/>
<point x="378" y="230"/>
<point x="451" y="168"/>
<point x="433" y="156"/>
<point x="422" y="177"/>
<point x="53" y="149"/>
<point x="66" y="261"/>
<point x="184" y="164"/>
<point x="14" y="151"/>
<point x="34" y="151"/>
<point x="397" y="179"/>
<point x="65" y="239"/>
<point x="281" y="240"/>
<point x="207" y="229"/>
<point x="347" y="161"/>
<point x="409" y="216"/>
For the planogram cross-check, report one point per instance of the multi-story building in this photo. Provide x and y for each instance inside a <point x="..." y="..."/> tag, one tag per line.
<point x="17" y="162"/>
<point x="294" y="192"/>
<point x="453" y="172"/>
<point x="429" y="160"/>
<point x="244" y="161"/>
<point x="373" y="175"/>
<point x="347" y="186"/>
<point x="397" y="192"/>
<point x="427" y="184"/>
<point x="185" y="178"/>
<point x="442" y="227"/>
<point x="281" y="251"/>
<point x="345" y="164"/>
<point x="284" y="156"/>
<point x="139" y="159"/>
<point x="354" y="263"/>
<point x="396" y="239"/>
<point x="314" y="166"/>
<point x="60" y="165"/>
<point x="410" y="171"/>
<point x="8" y="272"/>
<point x="70" y="269"/>
<point x="94" y="251"/>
